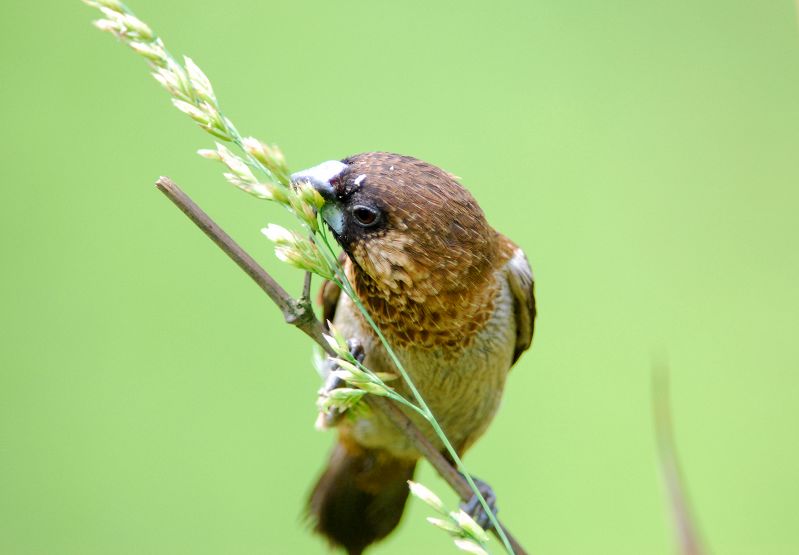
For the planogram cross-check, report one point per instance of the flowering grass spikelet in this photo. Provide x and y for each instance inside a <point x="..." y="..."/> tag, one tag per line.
<point x="367" y="385"/>
<point x="190" y="88"/>
<point x="303" y="204"/>
<point x="138" y="27"/>
<point x="152" y="51"/>
<point x="309" y="195"/>
<point x="445" y="525"/>
<point x="192" y="111"/>
<point x="337" y="343"/>
<point x="332" y="342"/>
<point x="209" y="154"/>
<point x="235" y="164"/>
<point x="358" y="375"/>
<point x="108" y="26"/>
<point x="178" y="74"/>
<point x="466" y="533"/>
<point x="339" y="337"/>
<point x="264" y="191"/>
<point x="270" y="156"/>
<point x="341" y="399"/>
<point x="350" y="372"/>
<point x="199" y="81"/>
<point x="297" y="251"/>
<point x="468" y="525"/>
<point x="168" y="80"/>
<point x="423" y="494"/>
<point x="469" y="546"/>
<point x="278" y="234"/>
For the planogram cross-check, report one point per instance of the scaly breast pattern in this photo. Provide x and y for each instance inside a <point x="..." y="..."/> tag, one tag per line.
<point x="461" y="383"/>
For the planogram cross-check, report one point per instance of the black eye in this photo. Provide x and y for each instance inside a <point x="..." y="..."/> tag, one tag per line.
<point x="365" y="215"/>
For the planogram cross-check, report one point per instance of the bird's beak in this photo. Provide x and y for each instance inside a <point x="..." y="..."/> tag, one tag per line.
<point x="320" y="177"/>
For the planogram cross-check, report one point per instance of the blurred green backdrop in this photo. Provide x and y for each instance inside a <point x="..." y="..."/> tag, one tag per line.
<point x="643" y="153"/>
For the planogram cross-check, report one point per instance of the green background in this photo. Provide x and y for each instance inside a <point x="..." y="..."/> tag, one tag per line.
<point x="644" y="154"/>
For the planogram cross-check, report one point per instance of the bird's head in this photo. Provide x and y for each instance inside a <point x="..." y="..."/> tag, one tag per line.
<point x="405" y="223"/>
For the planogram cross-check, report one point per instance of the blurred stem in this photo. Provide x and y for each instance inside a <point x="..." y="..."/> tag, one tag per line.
<point x="685" y="528"/>
<point x="301" y="316"/>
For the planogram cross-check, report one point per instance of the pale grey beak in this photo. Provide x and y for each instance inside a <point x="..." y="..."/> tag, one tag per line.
<point x="320" y="176"/>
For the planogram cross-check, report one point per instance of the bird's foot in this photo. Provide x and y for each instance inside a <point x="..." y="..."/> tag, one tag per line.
<point x="329" y="418"/>
<point x="475" y="509"/>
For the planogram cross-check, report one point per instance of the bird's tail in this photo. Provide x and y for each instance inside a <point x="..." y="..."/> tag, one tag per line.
<point x="360" y="496"/>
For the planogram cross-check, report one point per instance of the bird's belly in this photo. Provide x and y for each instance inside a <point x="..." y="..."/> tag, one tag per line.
<point x="462" y="387"/>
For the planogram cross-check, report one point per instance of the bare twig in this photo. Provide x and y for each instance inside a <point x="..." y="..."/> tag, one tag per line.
<point x="306" y="287"/>
<point x="301" y="315"/>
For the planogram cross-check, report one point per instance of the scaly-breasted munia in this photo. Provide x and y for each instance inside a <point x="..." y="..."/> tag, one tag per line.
<point x="453" y="297"/>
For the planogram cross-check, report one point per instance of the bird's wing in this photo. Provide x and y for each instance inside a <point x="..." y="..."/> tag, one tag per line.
<point x="520" y="278"/>
<point x="329" y="294"/>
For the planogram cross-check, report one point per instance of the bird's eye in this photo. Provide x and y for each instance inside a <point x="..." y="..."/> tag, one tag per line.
<point x="365" y="215"/>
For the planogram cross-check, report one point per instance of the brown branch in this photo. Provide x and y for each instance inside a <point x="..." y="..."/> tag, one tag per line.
<point x="301" y="315"/>
<point x="306" y="287"/>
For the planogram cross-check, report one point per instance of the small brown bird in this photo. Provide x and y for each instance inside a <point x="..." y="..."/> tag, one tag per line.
<point x="453" y="297"/>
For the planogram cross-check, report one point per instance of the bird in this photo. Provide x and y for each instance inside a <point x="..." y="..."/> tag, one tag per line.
<point x="453" y="297"/>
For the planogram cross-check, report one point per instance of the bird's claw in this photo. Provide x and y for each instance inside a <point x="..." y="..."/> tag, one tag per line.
<point x="474" y="508"/>
<point x="356" y="350"/>
<point x="328" y="419"/>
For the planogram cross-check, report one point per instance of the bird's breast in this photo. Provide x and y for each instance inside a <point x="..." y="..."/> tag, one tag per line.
<point x="423" y="310"/>
<point x="457" y="351"/>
